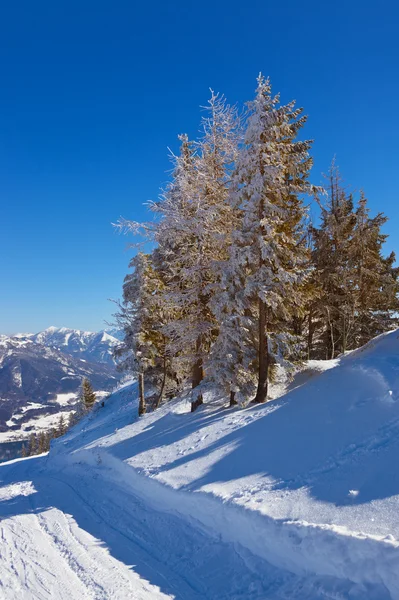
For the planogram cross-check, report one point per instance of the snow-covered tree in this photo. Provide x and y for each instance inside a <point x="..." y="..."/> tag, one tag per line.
<point x="375" y="293"/>
<point x="358" y="285"/>
<point x="194" y="233"/>
<point x="331" y="256"/>
<point x="142" y="315"/>
<point x="136" y="350"/>
<point x="268" y="258"/>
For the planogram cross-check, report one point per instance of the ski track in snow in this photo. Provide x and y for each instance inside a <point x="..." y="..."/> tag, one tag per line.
<point x="74" y="538"/>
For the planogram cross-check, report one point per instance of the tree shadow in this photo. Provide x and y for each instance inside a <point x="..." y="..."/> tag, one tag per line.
<point x="162" y="548"/>
<point x="336" y="436"/>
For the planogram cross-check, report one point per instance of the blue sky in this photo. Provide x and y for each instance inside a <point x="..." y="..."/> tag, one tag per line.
<point x="93" y="93"/>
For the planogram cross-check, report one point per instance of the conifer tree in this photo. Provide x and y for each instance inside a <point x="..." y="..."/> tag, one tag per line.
<point x="142" y="315"/>
<point x="374" y="277"/>
<point x="71" y="419"/>
<point x="358" y="298"/>
<point x="88" y="395"/>
<point x="32" y="445"/>
<point x="332" y="263"/>
<point x="195" y="232"/>
<point x="61" y="428"/>
<point x="269" y="256"/>
<point x="41" y="444"/>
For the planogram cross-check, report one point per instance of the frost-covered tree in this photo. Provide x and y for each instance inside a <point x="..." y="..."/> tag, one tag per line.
<point x="136" y="351"/>
<point x="375" y="294"/>
<point x="331" y="256"/>
<point x="142" y="315"/>
<point x="268" y="258"/>
<point x="358" y="285"/>
<point x="194" y="233"/>
<point x="233" y="356"/>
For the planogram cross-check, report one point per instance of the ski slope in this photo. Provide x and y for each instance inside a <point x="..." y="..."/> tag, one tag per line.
<point x="297" y="499"/>
<point x="72" y="538"/>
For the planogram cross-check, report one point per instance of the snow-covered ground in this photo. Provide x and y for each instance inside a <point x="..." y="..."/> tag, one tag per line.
<point x="298" y="498"/>
<point x="43" y="422"/>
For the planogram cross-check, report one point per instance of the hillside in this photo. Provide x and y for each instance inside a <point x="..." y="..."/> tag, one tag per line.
<point x="297" y="498"/>
<point x="40" y="375"/>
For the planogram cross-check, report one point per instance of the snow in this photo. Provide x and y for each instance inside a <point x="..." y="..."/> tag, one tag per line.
<point x="22" y="411"/>
<point x="298" y="498"/>
<point x="65" y="399"/>
<point x="35" y="425"/>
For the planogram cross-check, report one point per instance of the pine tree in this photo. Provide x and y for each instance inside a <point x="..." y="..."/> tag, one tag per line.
<point x="32" y="445"/>
<point x="269" y="257"/>
<point x="195" y="232"/>
<point x="72" y="420"/>
<point x="141" y="315"/>
<point x="358" y="298"/>
<point x="47" y="440"/>
<point x="61" y="428"/>
<point x="331" y="255"/>
<point x="375" y="279"/>
<point x="88" y="395"/>
<point x="41" y="445"/>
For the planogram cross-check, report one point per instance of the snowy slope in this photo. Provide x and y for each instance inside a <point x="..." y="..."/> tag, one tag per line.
<point x="298" y="498"/>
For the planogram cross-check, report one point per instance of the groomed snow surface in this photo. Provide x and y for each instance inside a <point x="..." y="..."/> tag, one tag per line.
<point x="295" y="499"/>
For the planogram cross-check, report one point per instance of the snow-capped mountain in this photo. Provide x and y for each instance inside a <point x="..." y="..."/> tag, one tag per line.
<point x="95" y="347"/>
<point x="40" y="375"/>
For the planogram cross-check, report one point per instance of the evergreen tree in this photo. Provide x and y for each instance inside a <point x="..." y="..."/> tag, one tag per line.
<point x="32" y="445"/>
<point x="47" y="440"/>
<point x="269" y="257"/>
<point x="332" y="243"/>
<point x="61" y="428"/>
<point x="41" y="445"/>
<point x="195" y="232"/>
<point x="140" y="316"/>
<point x="358" y="285"/>
<point x="374" y="277"/>
<point x="88" y="395"/>
<point x="72" y="420"/>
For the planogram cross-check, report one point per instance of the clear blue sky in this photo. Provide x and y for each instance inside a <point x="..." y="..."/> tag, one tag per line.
<point x="93" y="93"/>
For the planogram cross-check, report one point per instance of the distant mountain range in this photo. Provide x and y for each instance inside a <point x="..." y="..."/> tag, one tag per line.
<point x="41" y="373"/>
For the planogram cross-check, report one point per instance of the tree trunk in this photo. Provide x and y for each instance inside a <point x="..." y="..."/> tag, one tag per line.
<point x="159" y="399"/>
<point x="142" y="406"/>
<point x="310" y="333"/>
<point x="197" y="377"/>
<point x="263" y="353"/>
<point x="233" y="401"/>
